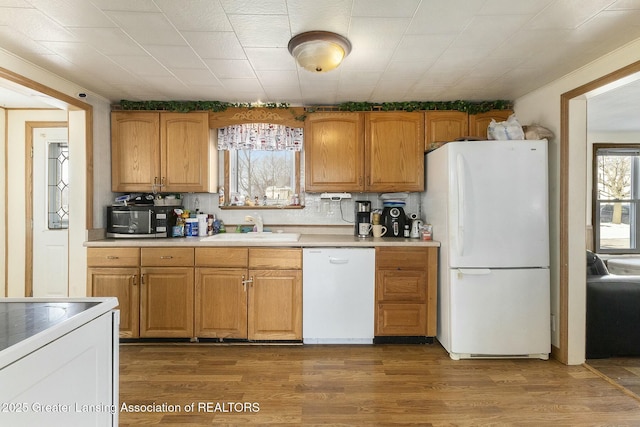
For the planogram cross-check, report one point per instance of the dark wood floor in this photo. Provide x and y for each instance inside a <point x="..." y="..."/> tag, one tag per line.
<point x="359" y="385"/>
<point x="623" y="371"/>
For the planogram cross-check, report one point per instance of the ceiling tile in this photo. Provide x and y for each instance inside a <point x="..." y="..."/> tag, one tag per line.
<point x="261" y="30"/>
<point x="231" y="68"/>
<point x="280" y="78"/>
<point x="437" y="17"/>
<point x="141" y="65"/>
<point x="35" y="25"/>
<point x="195" y="77"/>
<point x="249" y="7"/>
<point x="215" y="45"/>
<point x="625" y="5"/>
<point x="567" y="14"/>
<point x="385" y="8"/>
<point x="387" y="34"/>
<point x="73" y="13"/>
<point x="201" y="15"/>
<point x="175" y="56"/>
<point x="110" y="41"/>
<point x="148" y="28"/>
<point x="270" y="59"/>
<point x="127" y="5"/>
<point x="421" y="46"/>
<point x="326" y="15"/>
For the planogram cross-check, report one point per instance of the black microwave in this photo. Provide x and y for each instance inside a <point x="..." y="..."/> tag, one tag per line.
<point x="140" y="221"/>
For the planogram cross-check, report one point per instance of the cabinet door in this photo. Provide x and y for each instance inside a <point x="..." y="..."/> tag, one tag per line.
<point x="185" y="152"/>
<point x="478" y="123"/>
<point x="221" y="303"/>
<point x="166" y="302"/>
<point x="444" y="126"/>
<point x="401" y="285"/>
<point x="135" y="155"/>
<point x="394" y="151"/>
<point x="401" y="320"/>
<point x="334" y="152"/>
<point x="121" y="283"/>
<point x="275" y="305"/>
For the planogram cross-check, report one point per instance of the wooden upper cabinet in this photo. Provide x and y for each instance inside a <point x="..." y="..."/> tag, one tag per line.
<point x="135" y="152"/>
<point x="444" y="126"/>
<point x="184" y="152"/>
<point x="478" y="123"/>
<point x="394" y="151"/>
<point x="166" y="152"/>
<point x="334" y="152"/>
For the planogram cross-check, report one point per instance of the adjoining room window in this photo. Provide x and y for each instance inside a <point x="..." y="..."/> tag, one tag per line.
<point x="616" y="198"/>
<point x="58" y="185"/>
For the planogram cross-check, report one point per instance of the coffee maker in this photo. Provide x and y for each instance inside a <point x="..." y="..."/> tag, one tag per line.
<point x="363" y="218"/>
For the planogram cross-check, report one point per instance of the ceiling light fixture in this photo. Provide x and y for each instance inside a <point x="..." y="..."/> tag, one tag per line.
<point x="319" y="51"/>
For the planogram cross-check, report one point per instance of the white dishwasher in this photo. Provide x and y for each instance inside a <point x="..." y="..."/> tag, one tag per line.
<point x="338" y="288"/>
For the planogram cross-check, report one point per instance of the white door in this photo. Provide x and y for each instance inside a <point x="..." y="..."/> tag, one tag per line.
<point x="500" y="312"/>
<point x="498" y="205"/>
<point x="50" y="212"/>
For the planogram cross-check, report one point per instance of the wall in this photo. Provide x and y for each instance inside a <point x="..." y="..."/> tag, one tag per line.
<point x="543" y="106"/>
<point x="317" y="212"/>
<point x="3" y="207"/>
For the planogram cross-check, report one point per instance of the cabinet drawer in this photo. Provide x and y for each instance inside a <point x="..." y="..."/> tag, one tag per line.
<point x="401" y="320"/>
<point x="401" y="257"/>
<point x="113" y="257"/>
<point x="404" y="285"/>
<point x="278" y="259"/>
<point x="167" y="257"/>
<point x="222" y="257"/>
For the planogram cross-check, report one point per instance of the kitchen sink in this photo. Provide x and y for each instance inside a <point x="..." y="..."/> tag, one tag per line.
<point x="253" y="237"/>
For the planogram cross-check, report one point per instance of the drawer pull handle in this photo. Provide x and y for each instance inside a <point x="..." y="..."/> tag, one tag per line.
<point x="166" y="257"/>
<point x="113" y="257"/>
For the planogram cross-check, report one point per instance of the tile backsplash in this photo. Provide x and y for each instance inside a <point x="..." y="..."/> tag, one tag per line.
<point x="316" y="211"/>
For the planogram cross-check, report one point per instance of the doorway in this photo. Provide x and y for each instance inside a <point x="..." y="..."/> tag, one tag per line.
<point x="573" y="163"/>
<point x="48" y="213"/>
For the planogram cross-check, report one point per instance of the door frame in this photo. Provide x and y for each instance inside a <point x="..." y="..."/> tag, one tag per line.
<point x="28" y="191"/>
<point x="562" y="353"/>
<point x="70" y="104"/>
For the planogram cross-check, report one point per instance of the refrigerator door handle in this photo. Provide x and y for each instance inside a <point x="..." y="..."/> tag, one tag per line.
<point x="460" y="233"/>
<point x="473" y="272"/>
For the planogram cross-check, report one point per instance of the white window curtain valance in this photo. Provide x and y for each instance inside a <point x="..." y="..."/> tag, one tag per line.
<point x="260" y="136"/>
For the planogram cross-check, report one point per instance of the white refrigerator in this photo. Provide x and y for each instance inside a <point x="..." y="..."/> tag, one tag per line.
<point x="488" y="204"/>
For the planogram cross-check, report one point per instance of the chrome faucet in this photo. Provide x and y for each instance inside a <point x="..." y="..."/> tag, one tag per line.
<point x="257" y="220"/>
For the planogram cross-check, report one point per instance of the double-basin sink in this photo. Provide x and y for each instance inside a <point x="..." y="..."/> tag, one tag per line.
<point x="252" y="237"/>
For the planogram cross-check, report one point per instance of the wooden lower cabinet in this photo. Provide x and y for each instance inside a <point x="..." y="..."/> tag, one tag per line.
<point x="221" y="303"/>
<point x="122" y="283"/>
<point x="275" y="305"/>
<point x="166" y="302"/>
<point x="115" y="272"/>
<point x="406" y="286"/>
<point x="248" y="293"/>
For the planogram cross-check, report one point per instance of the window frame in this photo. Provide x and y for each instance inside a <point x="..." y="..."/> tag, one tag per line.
<point x="227" y="184"/>
<point x="633" y="201"/>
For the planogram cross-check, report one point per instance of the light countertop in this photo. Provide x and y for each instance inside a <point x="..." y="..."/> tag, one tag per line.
<point x="306" y="240"/>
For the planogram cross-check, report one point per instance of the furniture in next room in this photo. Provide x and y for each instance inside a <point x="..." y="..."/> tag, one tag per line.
<point x="613" y="311"/>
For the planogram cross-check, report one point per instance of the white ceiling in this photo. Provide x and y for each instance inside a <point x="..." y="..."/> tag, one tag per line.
<point x="236" y="50"/>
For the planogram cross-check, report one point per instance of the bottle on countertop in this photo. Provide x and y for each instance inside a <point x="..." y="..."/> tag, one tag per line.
<point x="407" y="232"/>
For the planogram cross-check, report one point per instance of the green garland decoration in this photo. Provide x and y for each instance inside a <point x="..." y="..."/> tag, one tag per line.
<point x="471" y="107"/>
